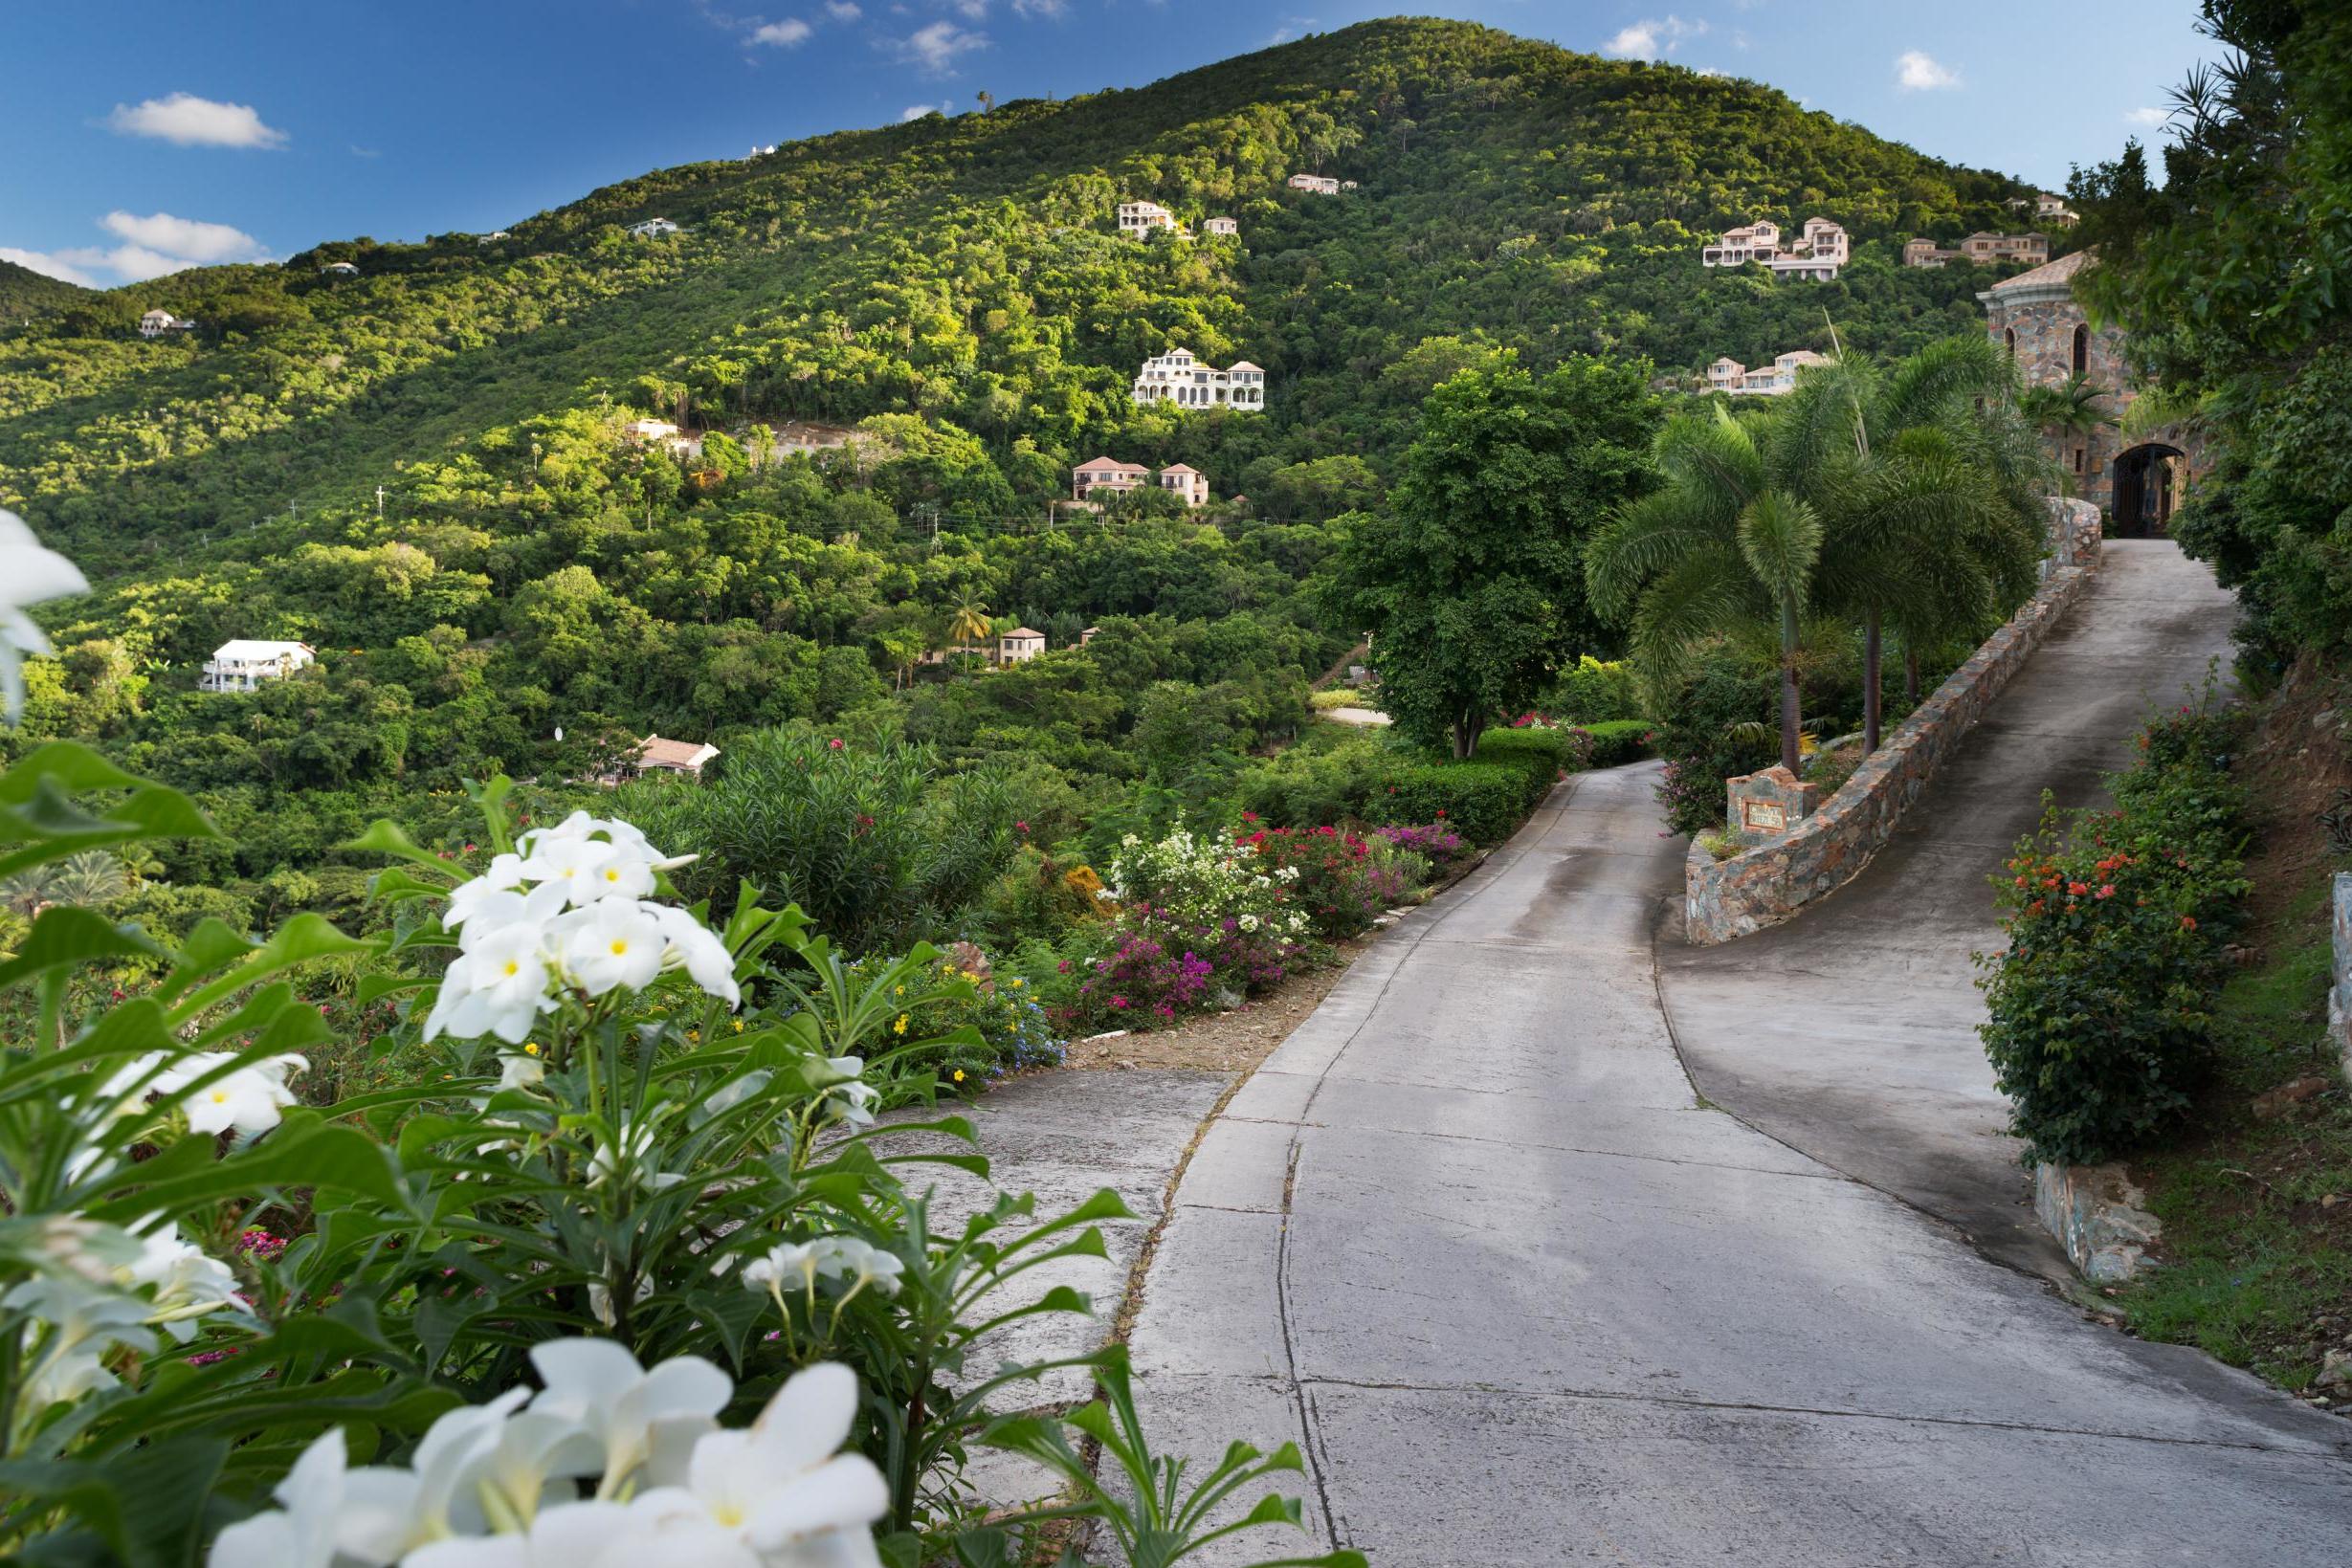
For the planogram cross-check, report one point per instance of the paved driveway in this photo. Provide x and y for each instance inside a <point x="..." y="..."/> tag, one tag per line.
<point x="1472" y="1238"/>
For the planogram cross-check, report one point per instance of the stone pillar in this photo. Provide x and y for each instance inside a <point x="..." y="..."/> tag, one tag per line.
<point x="1764" y="808"/>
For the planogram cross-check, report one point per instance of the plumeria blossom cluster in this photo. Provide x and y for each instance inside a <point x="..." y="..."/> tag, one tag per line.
<point x="609" y="1464"/>
<point x="570" y="908"/>
<point x="1201" y="880"/>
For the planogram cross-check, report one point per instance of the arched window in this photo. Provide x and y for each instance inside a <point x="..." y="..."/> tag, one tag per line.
<point x="2082" y="351"/>
<point x="2009" y="338"/>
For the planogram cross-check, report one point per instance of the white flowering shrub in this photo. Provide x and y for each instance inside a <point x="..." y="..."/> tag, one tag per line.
<point x="624" y="1140"/>
<point x="1206" y="882"/>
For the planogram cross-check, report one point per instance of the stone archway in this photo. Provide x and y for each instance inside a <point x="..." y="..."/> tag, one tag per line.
<point x="2148" y="480"/>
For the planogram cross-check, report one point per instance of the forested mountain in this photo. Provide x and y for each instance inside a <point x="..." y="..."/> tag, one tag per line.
<point x="420" y="469"/>
<point x="23" y="292"/>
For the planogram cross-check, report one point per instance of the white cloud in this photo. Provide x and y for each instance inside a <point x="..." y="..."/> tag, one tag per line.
<point x="916" y="111"/>
<point x="1916" y="72"/>
<point x="188" y="238"/>
<point x="1040" y="7"/>
<point x="358" y="151"/>
<point x="934" y="50"/>
<point x="1647" y="40"/>
<point x="1289" y="29"/>
<point x="191" y="121"/>
<point x="153" y="246"/>
<point x="975" y="10"/>
<point x="843" y="11"/>
<point x="783" y="34"/>
<point x="2145" y="117"/>
<point x="52" y="264"/>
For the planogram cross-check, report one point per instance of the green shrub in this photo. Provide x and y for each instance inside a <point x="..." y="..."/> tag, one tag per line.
<point x="1542" y="751"/>
<point x="2100" y="1008"/>
<point x="1593" y="694"/>
<point x="1703" y="733"/>
<point x="1482" y="801"/>
<point x="1618" y="741"/>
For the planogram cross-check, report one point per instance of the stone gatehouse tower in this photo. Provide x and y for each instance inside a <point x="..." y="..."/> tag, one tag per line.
<point x="2035" y="317"/>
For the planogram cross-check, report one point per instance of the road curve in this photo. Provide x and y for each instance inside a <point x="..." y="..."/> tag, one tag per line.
<point x="1472" y="1239"/>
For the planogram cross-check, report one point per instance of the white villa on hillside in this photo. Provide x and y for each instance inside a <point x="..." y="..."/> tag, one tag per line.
<point x="1220" y="225"/>
<point x="652" y="228"/>
<point x="659" y="754"/>
<point x="660" y="432"/>
<point x="1322" y="185"/>
<point x="1019" y="646"/>
<point x="1141" y="218"/>
<point x="1182" y="480"/>
<point x="1177" y="377"/>
<point x="1980" y="249"/>
<point x="1822" y="249"/>
<point x="492" y="237"/>
<point x="156" y="322"/>
<point x="1729" y="375"/>
<point x="243" y="663"/>
<point x="2048" y="209"/>
<point x="339" y="269"/>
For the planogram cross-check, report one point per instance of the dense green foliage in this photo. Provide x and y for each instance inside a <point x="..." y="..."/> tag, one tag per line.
<point x="2101" y="1006"/>
<point x="2233" y="280"/>
<point x="25" y="293"/>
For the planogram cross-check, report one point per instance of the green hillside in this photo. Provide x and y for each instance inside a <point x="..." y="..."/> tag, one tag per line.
<point x="967" y="269"/>
<point x="421" y="470"/>
<point x="25" y="293"/>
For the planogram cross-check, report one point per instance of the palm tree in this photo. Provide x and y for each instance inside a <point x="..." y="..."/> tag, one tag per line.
<point x="969" y="620"/>
<point x="89" y="880"/>
<point x="2072" y="410"/>
<point x="1723" y="544"/>
<point x="1929" y="485"/>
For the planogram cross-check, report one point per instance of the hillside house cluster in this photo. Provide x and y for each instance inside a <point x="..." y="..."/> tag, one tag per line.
<point x="1816" y="254"/>
<point x="1321" y="184"/>
<point x="1729" y="375"/>
<point x="660" y="432"/>
<point x="1978" y="250"/>
<point x="2047" y="209"/>
<point x="1180" y="479"/>
<point x="1177" y="377"/>
<point x="652" y="228"/>
<point x="156" y="322"/>
<point x="241" y="664"/>
<point x="1138" y="219"/>
<point x="1227" y="227"/>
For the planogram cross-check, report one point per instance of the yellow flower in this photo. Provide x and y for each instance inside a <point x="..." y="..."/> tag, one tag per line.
<point x="959" y="1074"/>
<point x="899" y="1028"/>
<point x="531" y="1048"/>
<point x="898" y="990"/>
<point x="739" y="1025"/>
<point x="694" y="1034"/>
<point x="1017" y="982"/>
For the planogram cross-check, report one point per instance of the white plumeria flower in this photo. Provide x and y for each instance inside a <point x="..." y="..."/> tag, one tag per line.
<point x="697" y="949"/>
<point x="247" y="1099"/>
<point x="30" y="572"/>
<point x="306" y="1533"/>
<point x="499" y="987"/>
<point x="793" y="1264"/>
<point x="467" y="899"/>
<point x="571" y="864"/>
<point x="852" y="1099"/>
<point x="520" y="1070"/>
<point x="497" y="910"/>
<point x="632" y="1416"/>
<point x="839" y="1257"/>
<point x="188" y="1282"/>
<point x="629" y="1158"/>
<point x="781" y="1487"/>
<point x="565" y="1535"/>
<point x="612" y="945"/>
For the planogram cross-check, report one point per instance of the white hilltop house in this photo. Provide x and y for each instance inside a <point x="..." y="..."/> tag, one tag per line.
<point x="1729" y="375"/>
<point x="1322" y="185"/>
<point x="1019" y="646"/>
<point x="339" y="269"/>
<point x="492" y="237"/>
<point x="242" y="664"/>
<point x="652" y="228"/>
<point x="1140" y="218"/>
<point x="660" y="432"/>
<point x="1177" y="377"/>
<point x="1220" y="225"/>
<point x="156" y="322"/>
<point x="1186" y="482"/>
<point x="1817" y="254"/>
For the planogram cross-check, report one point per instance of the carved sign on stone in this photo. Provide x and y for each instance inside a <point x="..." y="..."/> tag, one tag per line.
<point x="1763" y="806"/>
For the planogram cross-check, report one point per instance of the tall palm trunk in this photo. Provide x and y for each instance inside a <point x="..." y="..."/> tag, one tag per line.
<point x="1788" y="685"/>
<point x="1911" y="673"/>
<point x="1869" y="683"/>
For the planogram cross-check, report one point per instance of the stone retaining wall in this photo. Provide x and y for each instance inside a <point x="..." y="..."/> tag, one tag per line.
<point x="2097" y="1216"/>
<point x="1763" y="886"/>
<point x="2339" y="992"/>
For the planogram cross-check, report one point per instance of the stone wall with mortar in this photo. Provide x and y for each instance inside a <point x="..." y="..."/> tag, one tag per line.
<point x="2339" y="992"/>
<point x="1763" y="887"/>
<point x="2098" y="1217"/>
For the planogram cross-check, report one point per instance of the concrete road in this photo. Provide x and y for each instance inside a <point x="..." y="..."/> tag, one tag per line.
<point x="1471" y="1238"/>
<point x="1851" y="1031"/>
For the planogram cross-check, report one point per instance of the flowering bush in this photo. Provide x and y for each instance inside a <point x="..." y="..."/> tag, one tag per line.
<point x="1140" y="980"/>
<point x="996" y="1026"/>
<point x="1195" y="883"/>
<point x="419" y="1318"/>
<point x="1343" y="882"/>
<point x="1445" y="849"/>
<point x="2100" y="1005"/>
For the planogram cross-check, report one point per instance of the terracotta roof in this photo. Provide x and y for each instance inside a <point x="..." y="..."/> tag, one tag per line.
<point x="1180" y="468"/>
<point x="1123" y="468"/>
<point x="1023" y="631"/>
<point x="2060" y="271"/>
<point x="653" y="751"/>
<point x="1242" y="364"/>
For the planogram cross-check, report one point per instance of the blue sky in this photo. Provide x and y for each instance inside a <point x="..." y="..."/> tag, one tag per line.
<point x="138" y="136"/>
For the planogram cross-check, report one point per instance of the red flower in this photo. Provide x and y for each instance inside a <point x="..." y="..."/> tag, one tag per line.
<point x="2075" y="889"/>
<point x="2021" y="881"/>
<point x="1249" y="816"/>
<point x="1441" y="814"/>
<point x="834" y="744"/>
<point x="2106" y="889"/>
<point x="1020" y="827"/>
<point x="2188" y="923"/>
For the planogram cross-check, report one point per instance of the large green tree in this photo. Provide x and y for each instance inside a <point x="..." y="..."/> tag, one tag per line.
<point x="1472" y="579"/>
